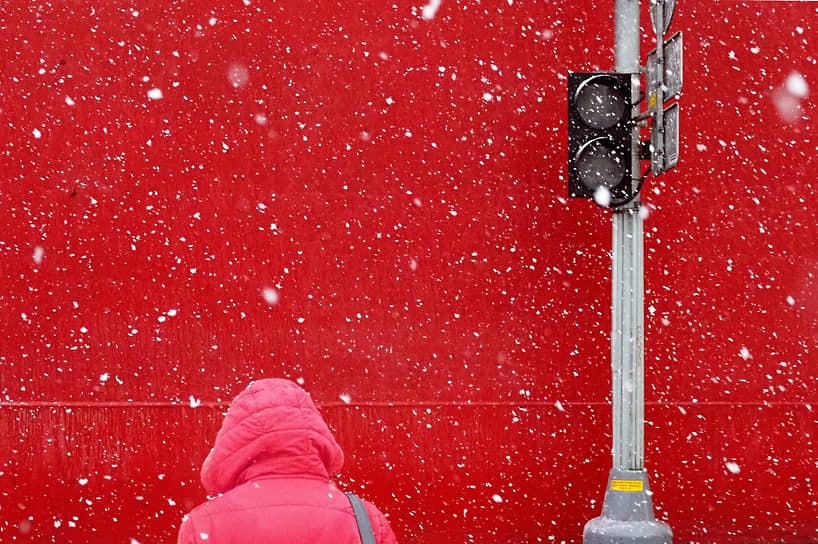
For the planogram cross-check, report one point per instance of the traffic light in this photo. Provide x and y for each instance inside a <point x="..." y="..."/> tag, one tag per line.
<point x="599" y="134"/>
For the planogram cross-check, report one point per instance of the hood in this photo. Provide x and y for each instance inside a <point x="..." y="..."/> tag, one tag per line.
<point x="271" y="428"/>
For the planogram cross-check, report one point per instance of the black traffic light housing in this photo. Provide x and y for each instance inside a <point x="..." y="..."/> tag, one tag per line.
<point x="599" y="134"/>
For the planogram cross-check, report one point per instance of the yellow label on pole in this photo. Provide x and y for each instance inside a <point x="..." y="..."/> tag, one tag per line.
<point x="652" y="101"/>
<point x="627" y="485"/>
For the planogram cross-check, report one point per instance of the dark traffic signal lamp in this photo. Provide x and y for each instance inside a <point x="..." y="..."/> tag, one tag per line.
<point x="599" y="134"/>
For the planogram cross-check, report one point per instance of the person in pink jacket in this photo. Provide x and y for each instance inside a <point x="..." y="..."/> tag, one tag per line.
<point x="270" y="473"/>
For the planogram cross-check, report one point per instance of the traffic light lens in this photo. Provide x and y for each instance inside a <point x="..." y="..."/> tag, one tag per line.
<point x="600" y="163"/>
<point x="600" y="103"/>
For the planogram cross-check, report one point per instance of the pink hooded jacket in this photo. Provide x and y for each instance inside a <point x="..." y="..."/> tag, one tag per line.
<point x="271" y="467"/>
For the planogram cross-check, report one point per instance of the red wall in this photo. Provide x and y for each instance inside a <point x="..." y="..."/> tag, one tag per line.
<point x="375" y="203"/>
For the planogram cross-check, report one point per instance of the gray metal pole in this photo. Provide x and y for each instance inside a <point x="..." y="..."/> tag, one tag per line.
<point x="627" y="341"/>
<point x="628" y="323"/>
<point x="627" y="511"/>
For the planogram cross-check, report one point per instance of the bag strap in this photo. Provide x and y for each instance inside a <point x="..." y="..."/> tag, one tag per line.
<point x="364" y="525"/>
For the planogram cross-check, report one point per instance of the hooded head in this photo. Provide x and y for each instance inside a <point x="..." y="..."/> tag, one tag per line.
<point x="271" y="428"/>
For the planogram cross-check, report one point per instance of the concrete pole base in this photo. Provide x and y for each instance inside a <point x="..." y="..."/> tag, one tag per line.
<point x="627" y="513"/>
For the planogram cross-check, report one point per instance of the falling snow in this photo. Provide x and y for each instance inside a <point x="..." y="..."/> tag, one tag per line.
<point x="371" y="200"/>
<point x="430" y="9"/>
<point x="796" y="85"/>
<point x="270" y="296"/>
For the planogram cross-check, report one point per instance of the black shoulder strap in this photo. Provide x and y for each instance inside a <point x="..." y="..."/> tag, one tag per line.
<point x="364" y="525"/>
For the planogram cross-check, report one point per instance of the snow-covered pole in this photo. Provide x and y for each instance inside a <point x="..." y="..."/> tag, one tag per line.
<point x="627" y="511"/>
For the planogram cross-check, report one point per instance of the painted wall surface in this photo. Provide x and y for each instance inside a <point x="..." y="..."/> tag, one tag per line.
<point x="371" y="197"/>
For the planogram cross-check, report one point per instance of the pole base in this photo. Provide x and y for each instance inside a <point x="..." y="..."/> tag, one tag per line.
<point x="627" y="513"/>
